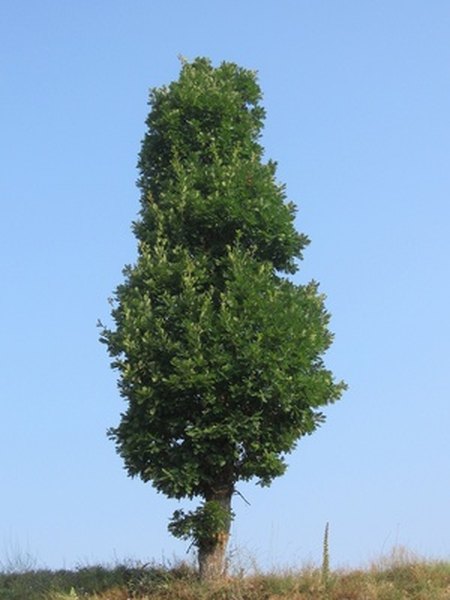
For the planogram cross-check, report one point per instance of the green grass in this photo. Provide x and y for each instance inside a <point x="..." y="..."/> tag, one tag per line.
<point x="40" y="584"/>
<point x="399" y="577"/>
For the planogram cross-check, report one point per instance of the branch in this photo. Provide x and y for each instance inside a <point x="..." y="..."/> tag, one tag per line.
<point x="243" y="497"/>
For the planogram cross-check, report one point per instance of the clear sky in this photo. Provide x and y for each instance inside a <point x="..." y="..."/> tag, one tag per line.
<point x="357" y="94"/>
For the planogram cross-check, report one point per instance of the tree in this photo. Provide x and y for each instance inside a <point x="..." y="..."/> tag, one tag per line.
<point x="219" y="353"/>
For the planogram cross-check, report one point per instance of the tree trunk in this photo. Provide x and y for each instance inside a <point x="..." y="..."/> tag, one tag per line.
<point x="211" y="553"/>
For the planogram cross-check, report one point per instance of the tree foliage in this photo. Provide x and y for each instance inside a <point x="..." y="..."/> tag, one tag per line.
<point x="219" y="353"/>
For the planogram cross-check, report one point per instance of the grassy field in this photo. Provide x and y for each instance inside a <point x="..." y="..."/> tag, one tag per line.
<point x="400" y="577"/>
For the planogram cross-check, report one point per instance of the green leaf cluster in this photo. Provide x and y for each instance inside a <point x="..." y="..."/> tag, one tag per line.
<point x="202" y="526"/>
<point x="203" y="181"/>
<point x="219" y="354"/>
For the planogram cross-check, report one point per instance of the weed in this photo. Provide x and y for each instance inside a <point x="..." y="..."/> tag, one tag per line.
<point x="326" y="559"/>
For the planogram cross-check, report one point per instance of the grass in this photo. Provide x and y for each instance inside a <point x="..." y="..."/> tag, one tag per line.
<point x="399" y="577"/>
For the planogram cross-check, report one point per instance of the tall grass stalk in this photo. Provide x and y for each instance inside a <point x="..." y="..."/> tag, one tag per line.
<point x="326" y="558"/>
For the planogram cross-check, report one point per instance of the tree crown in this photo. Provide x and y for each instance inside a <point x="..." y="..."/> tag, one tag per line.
<point x="219" y="355"/>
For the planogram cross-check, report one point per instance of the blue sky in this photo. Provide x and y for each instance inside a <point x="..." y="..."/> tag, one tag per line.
<point x="357" y="96"/>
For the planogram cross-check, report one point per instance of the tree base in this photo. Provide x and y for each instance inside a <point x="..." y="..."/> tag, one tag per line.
<point x="211" y="559"/>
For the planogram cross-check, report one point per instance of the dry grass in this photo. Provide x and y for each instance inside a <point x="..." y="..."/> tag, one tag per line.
<point x="400" y="576"/>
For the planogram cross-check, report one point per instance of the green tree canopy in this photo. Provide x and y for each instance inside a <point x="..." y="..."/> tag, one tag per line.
<point x="219" y="353"/>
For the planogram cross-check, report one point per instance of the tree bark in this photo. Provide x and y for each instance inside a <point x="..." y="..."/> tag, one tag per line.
<point x="211" y="553"/>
